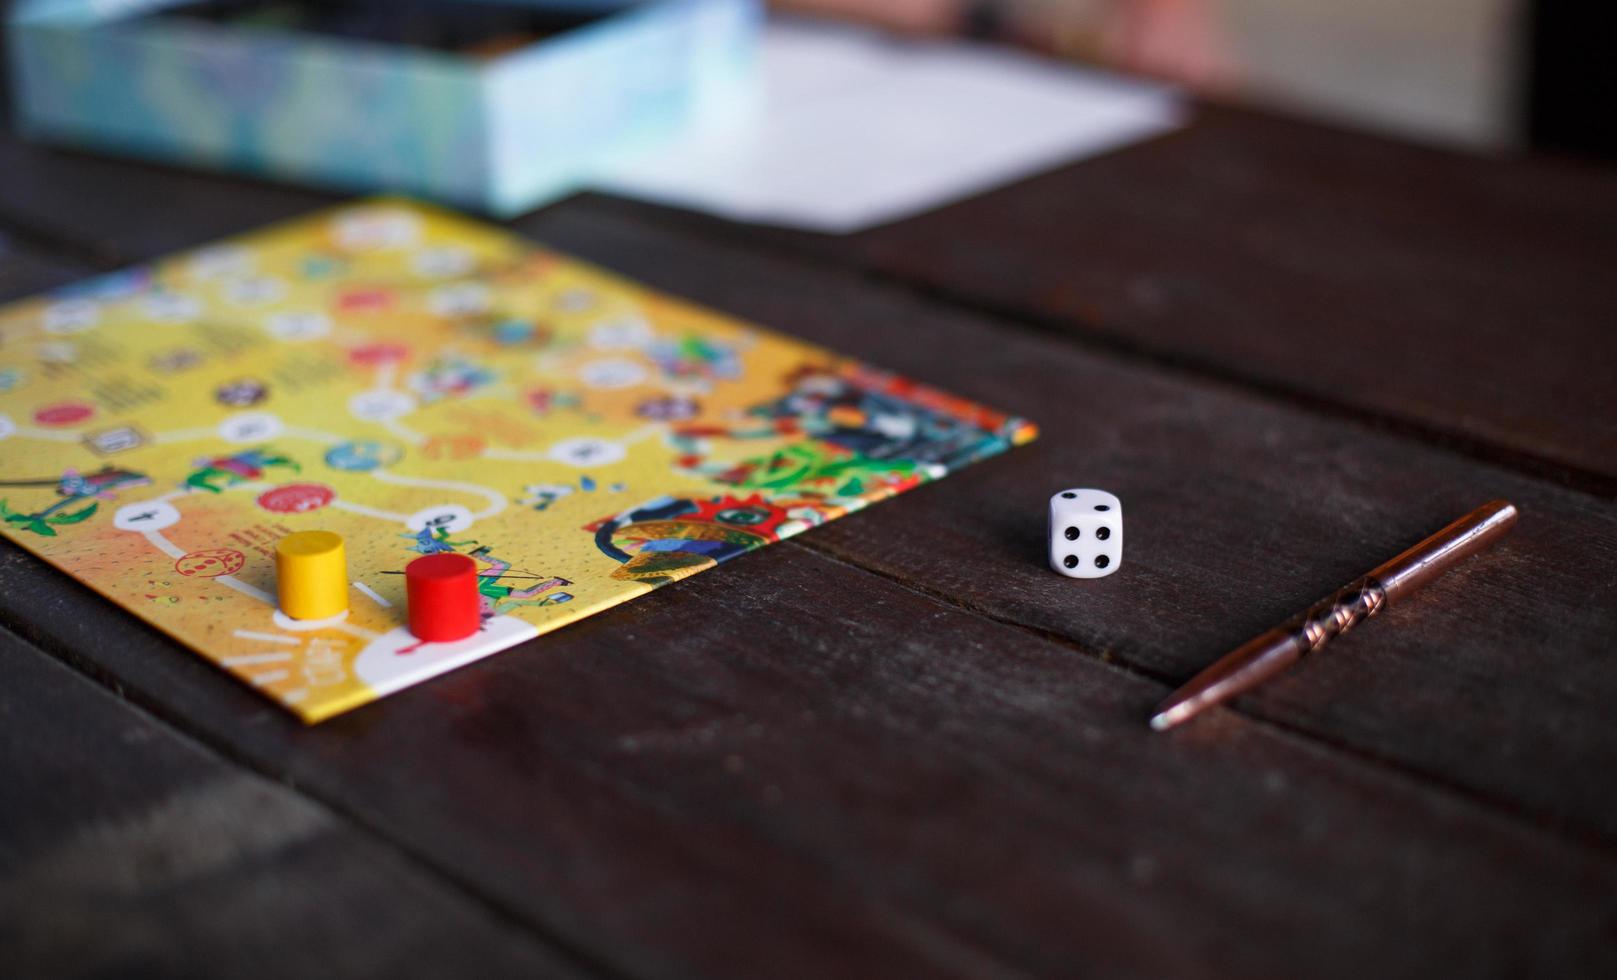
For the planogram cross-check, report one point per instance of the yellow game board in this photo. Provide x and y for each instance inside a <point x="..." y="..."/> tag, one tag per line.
<point x="421" y="383"/>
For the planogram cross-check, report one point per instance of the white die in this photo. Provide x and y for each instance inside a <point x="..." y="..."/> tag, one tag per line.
<point x="1086" y="533"/>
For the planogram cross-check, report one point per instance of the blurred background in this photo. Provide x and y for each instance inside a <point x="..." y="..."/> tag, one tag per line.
<point x="1484" y="74"/>
<point x="827" y="116"/>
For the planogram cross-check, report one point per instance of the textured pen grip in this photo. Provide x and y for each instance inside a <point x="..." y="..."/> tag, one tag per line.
<point x="1337" y="614"/>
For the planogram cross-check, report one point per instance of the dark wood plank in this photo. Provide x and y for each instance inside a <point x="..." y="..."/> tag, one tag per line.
<point x="116" y="212"/>
<point x="1471" y="297"/>
<point x="25" y="270"/>
<point x="876" y="784"/>
<point x="1240" y="511"/>
<point x="128" y="850"/>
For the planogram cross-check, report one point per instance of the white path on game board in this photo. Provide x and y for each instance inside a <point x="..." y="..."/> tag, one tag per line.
<point x="51" y="435"/>
<point x="286" y="622"/>
<point x="338" y="622"/>
<point x="403" y="431"/>
<point x="518" y="455"/>
<point x="295" y="432"/>
<point x="270" y="638"/>
<point x="185" y="435"/>
<point x="251" y="590"/>
<point x="164" y="544"/>
<point x="247" y="660"/>
<point x="643" y="433"/>
<point x="352" y="508"/>
<point x="358" y="631"/>
<point x="582" y="451"/>
<point x="496" y="500"/>
<point x="315" y="435"/>
<point x="174" y="551"/>
<point x="269" y="677"/>
<point x="272" y="427"/>
<point x="373" y="594"/>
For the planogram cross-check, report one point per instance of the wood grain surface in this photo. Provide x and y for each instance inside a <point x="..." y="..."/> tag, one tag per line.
<point x="128" y="850"/>
<point x="1458" y="298"/>
<point x="898" y="746"/>
<point x="25" y="270"/>
<point x="1467" y="299"/>
<point x="791" y="767"/>
<point x="1238" y="511"/>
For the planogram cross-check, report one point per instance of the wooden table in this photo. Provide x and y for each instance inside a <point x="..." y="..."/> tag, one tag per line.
<point x="899" y="746"/>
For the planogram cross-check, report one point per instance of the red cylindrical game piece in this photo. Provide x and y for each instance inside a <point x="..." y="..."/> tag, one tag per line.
<point x="442" y="591"/>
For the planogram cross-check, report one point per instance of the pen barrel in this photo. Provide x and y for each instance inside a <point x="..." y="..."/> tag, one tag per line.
<point x="1443" y="550"/>
<point x="1336" y="614"/>
<point x="1359" y="600"/>
<point x="1271" y="652"/>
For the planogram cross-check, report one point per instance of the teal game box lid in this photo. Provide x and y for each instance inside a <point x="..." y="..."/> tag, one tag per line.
<point x="496" y="105"/>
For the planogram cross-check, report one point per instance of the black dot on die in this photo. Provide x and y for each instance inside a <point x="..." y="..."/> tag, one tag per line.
<point x="1102" y="533"/>
<point x="1072" y="534"/>
<point x="1101" y="561"/>
<point x="1071" y="561"/>
<point x="1103" y="506"/>
<point x="1069" y="495"/>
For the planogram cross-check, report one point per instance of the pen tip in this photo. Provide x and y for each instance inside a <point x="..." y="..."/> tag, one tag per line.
<point x="1171" y="712"/>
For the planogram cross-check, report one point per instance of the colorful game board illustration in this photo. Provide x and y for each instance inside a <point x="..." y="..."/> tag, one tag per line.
<point x="420" y="383"/>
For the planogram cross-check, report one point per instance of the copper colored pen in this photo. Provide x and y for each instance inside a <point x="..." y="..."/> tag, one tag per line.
<point x="1266" y="655"/>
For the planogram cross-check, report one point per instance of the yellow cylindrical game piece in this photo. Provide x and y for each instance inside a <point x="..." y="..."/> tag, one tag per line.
<point x="311" y="570"/>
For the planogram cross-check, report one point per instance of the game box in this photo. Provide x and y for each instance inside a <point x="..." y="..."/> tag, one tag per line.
<point x="496" y="105"/>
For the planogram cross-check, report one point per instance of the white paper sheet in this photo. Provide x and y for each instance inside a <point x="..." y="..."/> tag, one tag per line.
<point x="853" y="128"/>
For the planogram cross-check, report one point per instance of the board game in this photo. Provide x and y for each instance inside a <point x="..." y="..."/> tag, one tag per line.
<point x="423" y="384"/>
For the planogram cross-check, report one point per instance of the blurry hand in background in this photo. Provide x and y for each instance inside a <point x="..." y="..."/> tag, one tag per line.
<point x="1178" y="40"/>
